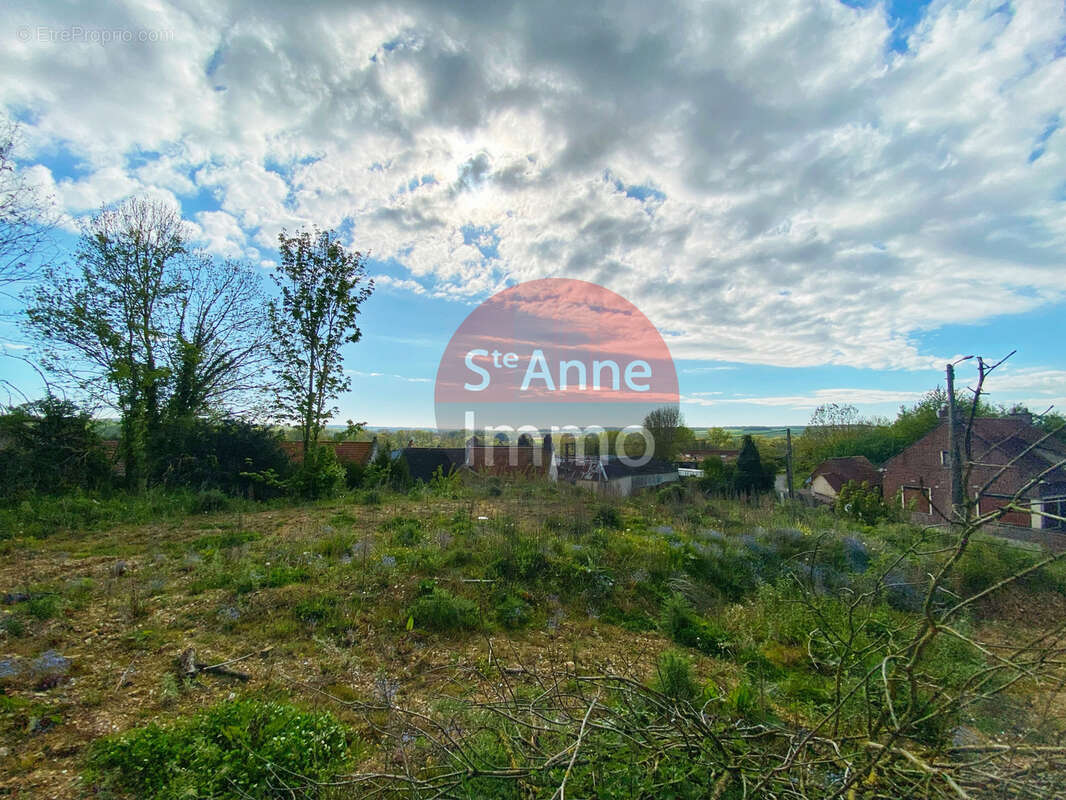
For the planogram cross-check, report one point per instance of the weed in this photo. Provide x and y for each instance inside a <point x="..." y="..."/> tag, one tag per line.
<point x="681" y="623"/>
<point x="674" y="677"/>
<point x="441" y="611"/>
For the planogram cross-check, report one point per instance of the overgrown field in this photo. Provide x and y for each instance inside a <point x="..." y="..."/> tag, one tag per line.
<point x="505" y="640"/>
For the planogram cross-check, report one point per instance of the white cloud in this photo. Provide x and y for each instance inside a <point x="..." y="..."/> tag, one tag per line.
<point x="819" y="397"/>
<point x="405" y="378"/>
<point x="764" y="180"/>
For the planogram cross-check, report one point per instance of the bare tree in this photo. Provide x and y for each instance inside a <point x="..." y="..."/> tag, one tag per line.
<point x="26" y="214"/>
<point x="217" y="352"/>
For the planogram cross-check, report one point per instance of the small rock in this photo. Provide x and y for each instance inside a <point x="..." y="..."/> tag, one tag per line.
<point x="50" y="668"/>
<point x="192" y="560"/>
<point x="965" y="736"/>
<point x="10" y="668"/>
<point x="231" y="613"/>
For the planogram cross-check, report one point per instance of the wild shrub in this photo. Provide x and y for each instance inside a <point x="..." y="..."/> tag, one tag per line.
<point x="45" y="605"/>
<point x="607" y="516"/>
<point x="224" y="541"/>
<point x="441" y="611"/>
<point x="685" y="627"/>
<point x="674" y="677"/>
<point x="406" y="531"/>
<point x="333" y="543"/>
<point x="727" y="567"/>
<point x="521" y="559"/>
<point x="209" y="501"/>
<point x="511" y="611"/>
<point x="989" y="561"/>
<point x="864" y="503"/>
<point x="354" y="473"/>
<point x="238" y="749"/>
<point x="319" y="475"/>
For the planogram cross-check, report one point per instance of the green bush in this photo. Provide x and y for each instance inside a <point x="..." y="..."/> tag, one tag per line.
<point x="239" y="749"/>
<point x="441" y="611"/>
<point x="50" y="447"/>
<point x="674" y="678"/>
<point x="864" y="503"/>
<point x="989" y="561"/>
<point x="512" y="611"/>
<point x="607" y="517"/>
<point x="209" y="501"/>
<point x="681" y="623"/>
<point x="319" y="475"/>
<point x="44" y="606"/>
<point x="354" y="472"/>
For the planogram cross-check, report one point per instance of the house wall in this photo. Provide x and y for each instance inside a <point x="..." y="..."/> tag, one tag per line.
<point x="820" y="486"/>
<point x="628" y="484"/>
<point x="921" y="467"/>
<point x="917" y="468"/>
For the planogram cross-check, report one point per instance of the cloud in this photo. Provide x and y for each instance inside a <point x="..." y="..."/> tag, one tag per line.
<point x="404" y="378"/>
<point x="812" y="400"/>
<point x="770" y="182"/>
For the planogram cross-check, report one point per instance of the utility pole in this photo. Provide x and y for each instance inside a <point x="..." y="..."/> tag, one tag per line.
<point x="788" y="463"/>
<point x="958" y="510"/>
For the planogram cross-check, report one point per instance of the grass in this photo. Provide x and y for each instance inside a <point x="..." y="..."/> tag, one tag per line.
<point x="339" y="604"/>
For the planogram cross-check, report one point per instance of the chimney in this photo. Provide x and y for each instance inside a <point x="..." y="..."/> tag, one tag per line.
<point x="1023" y="416"/>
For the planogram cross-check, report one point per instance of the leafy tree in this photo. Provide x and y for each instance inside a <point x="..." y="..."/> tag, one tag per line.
<point x="99" y="321"/>
<point x="684" y="439"/>
<point x="216" y="347"/>
<point x="322" y="287"/>
<point x="147" y="325"/>
<point x="717" y="476"/>
<point x="719" y="439"/>
<point x="664" y="424"/>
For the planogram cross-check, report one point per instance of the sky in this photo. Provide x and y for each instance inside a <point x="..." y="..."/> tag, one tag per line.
<point x="813" y="201"/>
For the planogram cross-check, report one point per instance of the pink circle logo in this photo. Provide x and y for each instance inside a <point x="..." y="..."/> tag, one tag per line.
<point x="553" y="356"/>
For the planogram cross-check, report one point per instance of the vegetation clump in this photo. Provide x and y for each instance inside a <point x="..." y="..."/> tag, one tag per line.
<point x="240" y="749"/>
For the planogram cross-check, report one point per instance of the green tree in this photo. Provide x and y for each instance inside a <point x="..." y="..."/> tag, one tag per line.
<point x="664" y="424"/>
<point x="717" y="475"/>
<point x="322" y="287"/>
<point x="146" y="324"/>
<point x="216" y="347"/>
<point x="719" y="439"/>
<point x="98" y="321"/>
<point x="750" y="477"/>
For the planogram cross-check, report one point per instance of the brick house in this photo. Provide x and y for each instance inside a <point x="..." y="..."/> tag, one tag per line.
<point x="1004" y="451"/>
<point x="830" y="476"/>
